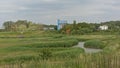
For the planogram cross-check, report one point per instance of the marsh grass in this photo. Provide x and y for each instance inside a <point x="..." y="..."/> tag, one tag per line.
<point x="94" y="44"/>
<point x="26" y="52"/>
<point x="81" y="61"/>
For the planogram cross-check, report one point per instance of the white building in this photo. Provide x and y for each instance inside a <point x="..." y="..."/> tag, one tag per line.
<point x="103" y="27"/>
<point x="48" y="28"/>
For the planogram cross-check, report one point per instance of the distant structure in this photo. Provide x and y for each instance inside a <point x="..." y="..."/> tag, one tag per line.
<point x="61" y="24"/>
<point x="48" y="28"/>
<point x="103" y="27"/>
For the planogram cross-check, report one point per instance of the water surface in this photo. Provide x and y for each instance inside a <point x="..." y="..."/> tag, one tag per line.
<point x="87" y="50"/>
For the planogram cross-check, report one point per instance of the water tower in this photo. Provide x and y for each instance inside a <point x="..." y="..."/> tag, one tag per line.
<point x="61" y="24"/>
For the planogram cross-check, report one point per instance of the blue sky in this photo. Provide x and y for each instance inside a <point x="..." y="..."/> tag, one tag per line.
<point x="48" y="11"/>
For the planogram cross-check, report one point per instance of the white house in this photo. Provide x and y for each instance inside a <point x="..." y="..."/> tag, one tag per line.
<point x="103" y="27"/>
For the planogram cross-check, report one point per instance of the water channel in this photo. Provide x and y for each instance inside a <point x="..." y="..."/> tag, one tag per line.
<point x="87" y="50"/>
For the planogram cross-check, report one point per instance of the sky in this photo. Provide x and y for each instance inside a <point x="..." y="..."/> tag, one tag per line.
<point x="48" y="11"/>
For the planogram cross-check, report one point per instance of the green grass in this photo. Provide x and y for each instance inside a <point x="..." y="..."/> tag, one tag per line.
<point x="82" y="61"/>
<point x="58" y="53"/>
<point x="26" y="52"/>
<point x="94" y="44"/>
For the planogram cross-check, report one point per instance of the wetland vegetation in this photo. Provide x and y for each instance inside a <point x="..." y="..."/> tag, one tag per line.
<point x="52" y="49"/>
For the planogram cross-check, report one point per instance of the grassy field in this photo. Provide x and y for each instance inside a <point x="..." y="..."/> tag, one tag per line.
<point x="40" y="49"/>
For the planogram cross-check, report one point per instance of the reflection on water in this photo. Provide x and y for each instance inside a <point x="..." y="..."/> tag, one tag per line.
<point x="87" y="50"/>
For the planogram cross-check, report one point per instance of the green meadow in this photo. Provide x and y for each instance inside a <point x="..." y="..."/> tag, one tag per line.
<point x="39" y="49"/>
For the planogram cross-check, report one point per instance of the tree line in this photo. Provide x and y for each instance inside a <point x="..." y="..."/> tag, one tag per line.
<point x="22" y="25"/>
<point x="86" y="28"/>
<point x="74" y="28"/>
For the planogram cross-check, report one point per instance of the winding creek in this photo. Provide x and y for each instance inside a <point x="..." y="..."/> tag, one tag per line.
<point x="87" y="50"/>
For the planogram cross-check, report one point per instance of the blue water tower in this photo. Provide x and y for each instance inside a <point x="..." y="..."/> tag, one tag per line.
<point x="58" y="24"/>
<point x="61" y="24"/>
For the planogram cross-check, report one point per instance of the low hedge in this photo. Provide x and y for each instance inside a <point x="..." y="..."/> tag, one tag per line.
<point x="67" y="43"/>
<point x="97" y="44"/>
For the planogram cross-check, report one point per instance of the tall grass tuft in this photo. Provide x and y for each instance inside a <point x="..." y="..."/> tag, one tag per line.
<point x="94" y="44"/>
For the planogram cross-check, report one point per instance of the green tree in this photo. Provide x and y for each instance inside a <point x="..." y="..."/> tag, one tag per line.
<point x="9" y="25"/>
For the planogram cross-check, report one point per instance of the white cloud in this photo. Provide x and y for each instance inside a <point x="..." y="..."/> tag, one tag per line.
<point x="49" y="10"/>
<point x="10" y="7"/>
<point x="50" y="0"/>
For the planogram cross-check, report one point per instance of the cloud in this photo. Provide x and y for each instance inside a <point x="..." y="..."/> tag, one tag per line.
<point x="47" y="11"/>
<point x="49" y="0"/>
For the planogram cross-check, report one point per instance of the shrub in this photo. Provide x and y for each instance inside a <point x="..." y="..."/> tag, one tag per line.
<point x="94" y="44"/>
<point x="68" y="43"/>
<point x="45" y="54"/>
